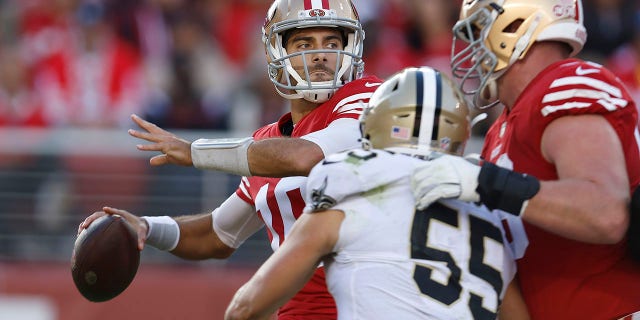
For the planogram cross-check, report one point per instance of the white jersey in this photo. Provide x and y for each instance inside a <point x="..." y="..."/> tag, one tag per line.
<point x="449" y="261"/>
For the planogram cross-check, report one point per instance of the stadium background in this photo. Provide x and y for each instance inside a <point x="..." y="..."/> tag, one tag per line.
<point x="71" y="71"/>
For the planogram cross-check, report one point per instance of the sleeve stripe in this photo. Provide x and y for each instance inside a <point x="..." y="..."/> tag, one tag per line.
<point x="356" y="112"/>
<point x="353" y="99"/>
<point x="569" y="105"/>
<point x="612" y="105"/>
<point x="243" y="187"/>
<point x="358" y="107"/>
<point x="594" y="83"/>
<point x="584" y="93"/>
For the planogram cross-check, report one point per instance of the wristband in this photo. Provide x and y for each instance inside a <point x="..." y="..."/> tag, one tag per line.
<point x="503" y="189"/>
<point x="163" y="233"/>
<point x="227" y="155"/>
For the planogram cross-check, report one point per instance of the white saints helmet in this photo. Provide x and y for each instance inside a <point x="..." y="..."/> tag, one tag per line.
<point x="494" y="34"/>
<point x="285" y="15"/>
<point x="417" y="111"/>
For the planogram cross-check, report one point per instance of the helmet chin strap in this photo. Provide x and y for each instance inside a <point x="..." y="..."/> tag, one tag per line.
<point x="317" y="95"/>
<point x="489" y="92"/>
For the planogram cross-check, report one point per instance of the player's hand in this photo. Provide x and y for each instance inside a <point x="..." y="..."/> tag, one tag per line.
<point x="139" y="224"/>
<point x="445" y="177"/>
<point x="175" y="150"/>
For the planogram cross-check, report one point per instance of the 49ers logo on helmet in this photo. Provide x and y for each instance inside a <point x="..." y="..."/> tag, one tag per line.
<point x="313" y="4"/>
<point x="317" y="13"/>
<point x="567" y="8"/>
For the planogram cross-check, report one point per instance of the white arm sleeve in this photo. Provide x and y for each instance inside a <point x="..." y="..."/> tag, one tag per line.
<point x="235" y="221"/>
<point x="340" y="135"/>
<point x="226" y="154"/>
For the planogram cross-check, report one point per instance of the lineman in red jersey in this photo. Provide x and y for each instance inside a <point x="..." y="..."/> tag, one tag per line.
<point x="314" y="55"/>
<point x="563" y="155"/>
<point x="588" y="280"/>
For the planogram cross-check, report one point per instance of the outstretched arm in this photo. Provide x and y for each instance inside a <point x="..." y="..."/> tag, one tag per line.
<point x="313" y="236"/>
<point x="274" y="157"/>
<point x="277" y="157"/>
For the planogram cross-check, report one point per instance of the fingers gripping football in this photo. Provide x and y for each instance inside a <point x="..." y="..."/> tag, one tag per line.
<point x="445" y="177"/>
<point x="140" y="226"/>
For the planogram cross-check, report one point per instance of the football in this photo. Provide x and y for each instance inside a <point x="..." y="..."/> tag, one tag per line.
<point x="105" y="258"/>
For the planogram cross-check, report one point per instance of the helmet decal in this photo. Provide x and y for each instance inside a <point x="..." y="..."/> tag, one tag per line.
<point x="401" y="133"/>
<point x="566" y="8"/>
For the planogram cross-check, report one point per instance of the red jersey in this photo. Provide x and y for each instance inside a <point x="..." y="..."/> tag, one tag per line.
<point x="562" y="278"/>
<point x="280" y="201"/>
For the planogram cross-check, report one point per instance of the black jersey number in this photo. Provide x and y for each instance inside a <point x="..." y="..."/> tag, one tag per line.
<point x="451" y="292"/>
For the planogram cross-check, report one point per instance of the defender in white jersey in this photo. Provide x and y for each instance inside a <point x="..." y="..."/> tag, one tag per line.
<point x="383" y="258"/>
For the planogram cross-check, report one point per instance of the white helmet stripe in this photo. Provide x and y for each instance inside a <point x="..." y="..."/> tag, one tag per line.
<point x="429" y="102"/>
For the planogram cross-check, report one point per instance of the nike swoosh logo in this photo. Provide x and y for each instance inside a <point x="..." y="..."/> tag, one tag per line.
<point x="369" y="84"/>
<point x="584" y="72"/>
<point x="330" y="162"/>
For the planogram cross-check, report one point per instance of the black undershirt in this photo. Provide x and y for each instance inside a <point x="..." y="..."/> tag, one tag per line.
<point x="287" y="128"/>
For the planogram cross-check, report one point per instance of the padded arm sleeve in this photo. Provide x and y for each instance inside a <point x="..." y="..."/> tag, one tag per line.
<point x="235" y="221"/>
<point x="226" y="154"/>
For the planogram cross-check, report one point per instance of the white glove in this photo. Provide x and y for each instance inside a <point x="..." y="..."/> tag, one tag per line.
<point x="445" y="177"/>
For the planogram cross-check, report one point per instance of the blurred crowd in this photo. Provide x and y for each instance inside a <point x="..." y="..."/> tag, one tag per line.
<point x="200" y="64"/>
<point x="189" y="64"/>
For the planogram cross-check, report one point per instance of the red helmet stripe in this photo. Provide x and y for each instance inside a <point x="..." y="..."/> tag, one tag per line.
<point x="578" y="3"/>
<point x="316" y="4"/>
